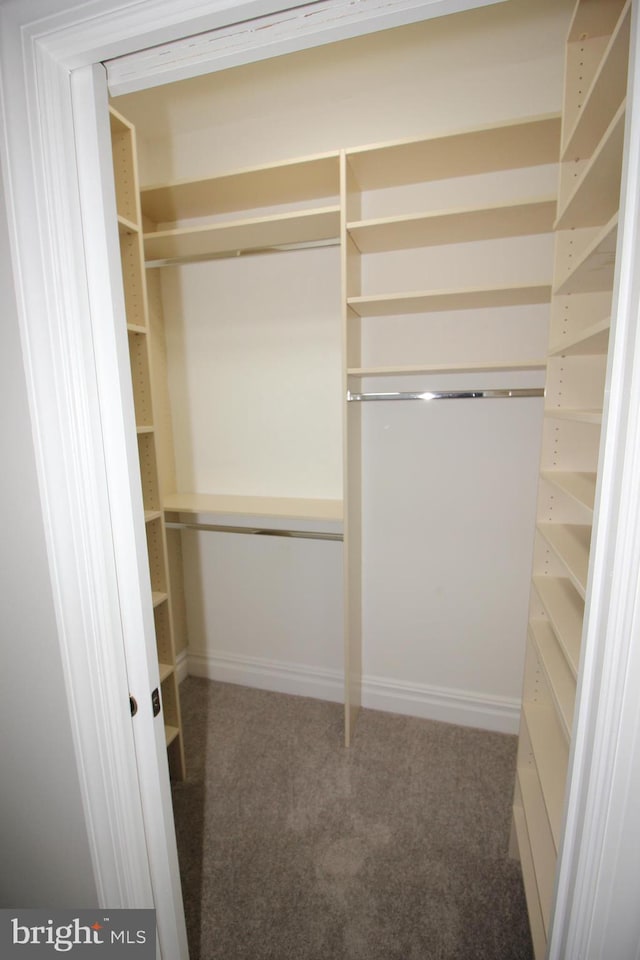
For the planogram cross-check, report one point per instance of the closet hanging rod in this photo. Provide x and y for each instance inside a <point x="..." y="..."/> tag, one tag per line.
<point x="448" y="394"/>
<point x="242" y="252"/>
<point x="254" y="531"/>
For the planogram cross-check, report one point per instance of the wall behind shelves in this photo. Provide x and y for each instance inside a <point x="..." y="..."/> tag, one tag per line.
<point x="470" y="69"/>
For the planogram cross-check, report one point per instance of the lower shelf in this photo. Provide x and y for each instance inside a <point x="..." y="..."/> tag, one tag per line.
<point x="170" y="734"/>
<point x="530" y="887"/>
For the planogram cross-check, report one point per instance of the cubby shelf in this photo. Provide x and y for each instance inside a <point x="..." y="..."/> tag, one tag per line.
<point x="551" y="755"/>
<point x="454" y="226"/>
<point x="136" y="328"/>
<point x="150" y="515"/>
<point x="538" y="933"/>
<point x="560" y="679"/>
<point x="596" y="194"/>
<point x="593" y="271"/>
<point x="165" y="670"/>
<point x="593" y="340"/>
<point x="290" y="181"/>
<point x="127" y="226"/>
<point x="170" y="734"/>
<point x="278" y="230"/>
<point x="570" y="542"/>
<point x="381" y="305"/>
<point x="541" y="845"/>
<point x="519" y="143"/>
<point x="605" y="94"/>
<point x="580" y="486"/>
<point x="565" y="609"/>
<point x="578" y="416"/>
<point x="158" y="597"/>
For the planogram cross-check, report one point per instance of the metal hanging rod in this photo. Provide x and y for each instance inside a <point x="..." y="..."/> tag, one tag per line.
<point x="447" y="395"/>
<point x="255" y="531"/>
<point x="243" y="252"/>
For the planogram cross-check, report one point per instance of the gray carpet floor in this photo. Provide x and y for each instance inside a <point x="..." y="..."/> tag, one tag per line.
<point x="293" y="848"/>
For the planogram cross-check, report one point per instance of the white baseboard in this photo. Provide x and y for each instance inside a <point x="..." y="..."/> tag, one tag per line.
<point x="462" y="707"/>
<point x="500" y="714"/>
<point x="302" y="680"/>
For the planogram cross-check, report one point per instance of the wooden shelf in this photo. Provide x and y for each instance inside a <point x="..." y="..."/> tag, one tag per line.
<point x="551" y="756"/>
<point x="570" y="543"/>
<point x="381" y="305"/>
<point x="158" y="597"/>
<point x="140" y="430"/>
<point x="285" y="508"/>
<point x="560" y="679"/>
<point x="170" y="734"/>
<point x="166" y="670"/>
<point x="580" y="486"/>
<point x="543" y="850"/>
<point x="470" y="366"/>
<point x="150" y="515"/>
<point x="530" y="882"/>
<point x="187" y="243"/>
<point x="521" y="143"/>
<point x="605" y="94"/>
<point x="454" y="226"/>
<point x="136" y="328"/>
<point x="565" y="609"/>
<point x="591" y="341"/>
<point x="127" y="226"/>
<point x="291" y="181"/>
<point x="594" y="269"/>
<point x="596" y="195"/>
<point x="578" y="416"/>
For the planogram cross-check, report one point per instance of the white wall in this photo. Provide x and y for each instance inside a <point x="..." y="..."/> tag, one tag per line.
<point x="44" y="852"/>
<point x="448" y="495"/>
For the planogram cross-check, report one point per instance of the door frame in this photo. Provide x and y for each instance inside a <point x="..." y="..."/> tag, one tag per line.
<point x="80" y="440"/>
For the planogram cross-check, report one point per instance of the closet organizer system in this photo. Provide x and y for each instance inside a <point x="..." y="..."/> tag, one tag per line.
<point x="325" y="199"/>
<point x="586" y="235"/>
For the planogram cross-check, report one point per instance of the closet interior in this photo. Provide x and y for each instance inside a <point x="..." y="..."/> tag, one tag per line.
<point x="354" y="334"/>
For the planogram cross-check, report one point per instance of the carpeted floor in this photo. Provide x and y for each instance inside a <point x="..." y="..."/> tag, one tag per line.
<point x="293" y="848"/>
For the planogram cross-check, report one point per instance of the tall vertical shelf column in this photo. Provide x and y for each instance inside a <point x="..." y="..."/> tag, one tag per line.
<point x="586" y="235"/>
<point x="135" y="293"/>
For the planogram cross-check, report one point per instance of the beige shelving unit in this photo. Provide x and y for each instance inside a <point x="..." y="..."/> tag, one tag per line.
<point x="591" y="165"/>
<point x="333" y="198"/>
<point x="372" y="173"/>
<point x="133" y="275"/>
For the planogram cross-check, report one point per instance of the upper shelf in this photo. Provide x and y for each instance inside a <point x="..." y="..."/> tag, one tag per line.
<point x="380" y="305"/>
<point x="232" y="237"/>
<point x="596" y="193"/>
<point x="607" y="88"/>
<point x="470" y="366"/>
<point x="593" y="18"/>
<point x="520" y="143"/>
<point x="593" y="271"/>
<point x="292" y="181"/>
<point x="454" y="226"/>
<point x="591" y="341"/>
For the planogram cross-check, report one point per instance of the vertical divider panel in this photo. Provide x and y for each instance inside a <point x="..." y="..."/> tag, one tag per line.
<point x="352" y="485"/>
<point x="137" y="309"/>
